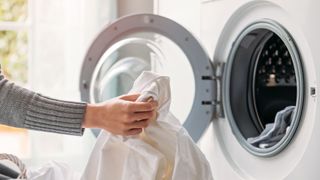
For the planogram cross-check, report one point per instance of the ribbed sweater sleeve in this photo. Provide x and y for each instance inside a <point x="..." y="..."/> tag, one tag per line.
<point x="23" y="108"/>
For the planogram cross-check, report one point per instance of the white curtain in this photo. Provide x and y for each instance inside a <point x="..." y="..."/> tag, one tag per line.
<point x="61" y="32"/>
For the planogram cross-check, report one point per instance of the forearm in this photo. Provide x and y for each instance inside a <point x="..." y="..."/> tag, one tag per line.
<point x="23" y="108"/>
<point x="57" y="116"/>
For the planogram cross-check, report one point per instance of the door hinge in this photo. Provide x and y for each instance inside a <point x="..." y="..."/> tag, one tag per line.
<point x="217" y="100"/>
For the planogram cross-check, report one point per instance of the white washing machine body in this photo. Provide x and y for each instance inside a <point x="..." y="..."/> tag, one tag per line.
<point x="220" y="97"/>
<point x="223" y="143"/>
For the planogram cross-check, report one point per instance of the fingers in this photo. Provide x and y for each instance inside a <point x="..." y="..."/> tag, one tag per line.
<point x="128" y="117"/>
<point x="136" y="126"/>
<point x="139" y="124"/>
<point x="142" y="115"/>
<point x="132" y="128"/>
<point x="139" y="106"/>
<point x="132" y="117"/>
<point x="142" y="106"/>
<point x="154" y="116"/>
<point x="131" y="132"/>
<point x="130" y="97"/>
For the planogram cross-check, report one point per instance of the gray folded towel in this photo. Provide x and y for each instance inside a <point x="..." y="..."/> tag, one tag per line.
<point x="274" y="132"/>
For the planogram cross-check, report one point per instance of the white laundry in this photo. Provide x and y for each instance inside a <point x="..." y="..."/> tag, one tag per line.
<point x="53" y="171"/>
<point x="163" y="151"/>
<point x="274" y="132"/>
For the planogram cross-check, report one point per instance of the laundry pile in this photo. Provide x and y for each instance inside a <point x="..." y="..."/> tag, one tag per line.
<point x="274" y="132"/>
<point x="164" y="151"/>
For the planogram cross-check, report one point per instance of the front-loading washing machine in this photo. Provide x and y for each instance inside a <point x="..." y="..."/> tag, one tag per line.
<point x="264" y="60"/>
<point x="255" y="39"/>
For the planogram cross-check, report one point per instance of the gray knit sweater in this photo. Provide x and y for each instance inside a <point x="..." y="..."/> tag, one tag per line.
<point x="23" y="108"/>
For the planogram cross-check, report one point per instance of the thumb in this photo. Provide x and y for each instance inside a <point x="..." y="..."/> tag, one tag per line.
<point x="130" y="97"/>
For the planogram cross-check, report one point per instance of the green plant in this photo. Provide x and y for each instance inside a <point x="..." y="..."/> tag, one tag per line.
<point x="14" y="44"/>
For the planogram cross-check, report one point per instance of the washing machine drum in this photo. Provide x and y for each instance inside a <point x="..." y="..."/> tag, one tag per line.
<point x="262" y="76"/>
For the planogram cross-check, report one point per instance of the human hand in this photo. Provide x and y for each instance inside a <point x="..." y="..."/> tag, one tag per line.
<point x="121" y="115"/>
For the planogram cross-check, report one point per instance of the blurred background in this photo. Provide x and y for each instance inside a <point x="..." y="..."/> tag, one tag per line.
<point x="42" y="45"/>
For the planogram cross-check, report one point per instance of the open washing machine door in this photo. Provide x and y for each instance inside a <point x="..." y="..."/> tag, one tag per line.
<point x="141" y="42"/>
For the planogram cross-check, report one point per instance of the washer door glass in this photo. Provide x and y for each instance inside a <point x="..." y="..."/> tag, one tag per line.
<point x="129" y="57"/>
<point x="264" y="89"/>
<point x="147" y="42"/>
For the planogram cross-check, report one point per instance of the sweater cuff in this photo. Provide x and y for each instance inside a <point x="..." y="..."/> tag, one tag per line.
<point x="46" y="114"/>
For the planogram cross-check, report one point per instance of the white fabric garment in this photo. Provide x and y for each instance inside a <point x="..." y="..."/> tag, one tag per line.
<point x="53" y="171"/>
<point x="274" y="132"/>
<point x="163" y="151"/>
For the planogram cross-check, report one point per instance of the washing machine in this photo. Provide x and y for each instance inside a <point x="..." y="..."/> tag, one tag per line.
<point x="250" y="98"/>
<point x="262" y="60"/>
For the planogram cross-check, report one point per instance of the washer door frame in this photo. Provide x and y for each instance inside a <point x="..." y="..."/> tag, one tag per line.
<point x="288" y="41"/>
<point x="202" y="110"/>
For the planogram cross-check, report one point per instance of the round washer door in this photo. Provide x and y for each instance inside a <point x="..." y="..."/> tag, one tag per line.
<point x="147" y="42"/>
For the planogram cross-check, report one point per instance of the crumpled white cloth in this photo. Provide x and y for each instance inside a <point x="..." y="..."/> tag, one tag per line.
<point x="163" y="151"/>
<point x="53" y="171"/>
<point x="274" y="132"/>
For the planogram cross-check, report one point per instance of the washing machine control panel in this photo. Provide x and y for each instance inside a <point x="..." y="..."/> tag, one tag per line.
<point x="275" y="67"/>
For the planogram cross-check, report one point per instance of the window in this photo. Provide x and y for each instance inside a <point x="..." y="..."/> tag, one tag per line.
<point x="42" y="44"/>
<point x="14" y="40"/>
<point x="14" y="28"/>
